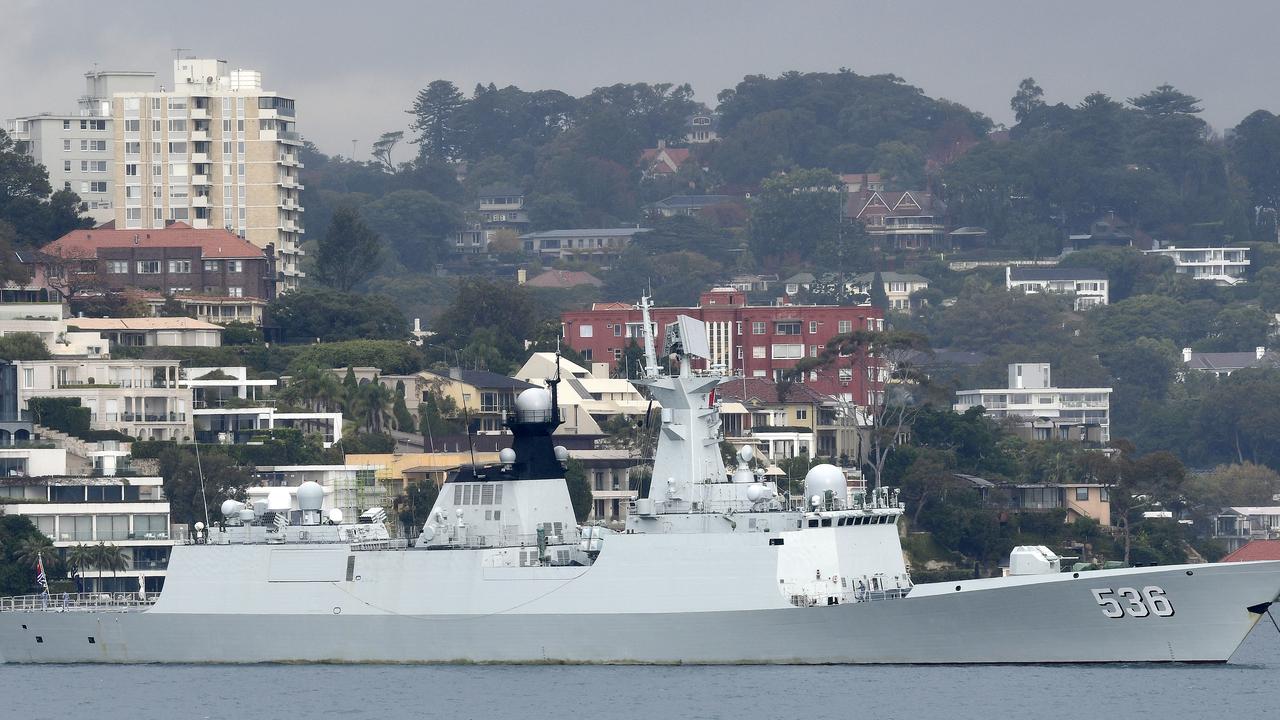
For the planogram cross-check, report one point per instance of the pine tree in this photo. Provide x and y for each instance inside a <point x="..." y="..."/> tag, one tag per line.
<point x="349" y="253"/>
<point x="879" y="298"/>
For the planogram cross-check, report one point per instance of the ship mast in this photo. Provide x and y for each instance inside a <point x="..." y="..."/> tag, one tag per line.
<point x="650" y="357"/>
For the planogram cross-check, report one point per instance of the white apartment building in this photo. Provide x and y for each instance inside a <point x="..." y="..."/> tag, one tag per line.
<point x="141" y="398"/>
<point x="76" y="148"/>
<point x="215" y="151"/>
<point x="1087" y="286"/>
<point x="1222" y="266"/>
<point x="130" y="513"/>
<point x="1042" y="411"/>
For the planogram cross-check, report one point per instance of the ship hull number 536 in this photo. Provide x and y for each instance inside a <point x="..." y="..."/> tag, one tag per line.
<point x="1150" y="601"/>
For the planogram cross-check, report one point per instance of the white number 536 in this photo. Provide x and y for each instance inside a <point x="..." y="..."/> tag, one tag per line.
<point x="1128" y="601"/>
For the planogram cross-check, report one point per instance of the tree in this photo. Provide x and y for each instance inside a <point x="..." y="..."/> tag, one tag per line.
<point x="23" y="346"/>
<point x="417" y="224"/>
<point x="487" y="319"/>
<point x="331" y="315"/>
<point x="383" y="146"/>
<point x="1164" y="101"/>
<point x="893" y="400"/>
<point x="79" y="559"/>
<point x="575" y="477"/>
<point x="415" y="505"/>
<point x="11" y="269"/>
<point x="435" y="113"/>
<point x="400" y="411"/>
<point x="795" y="213"/>
<point x="37" y="547"/>
<point x="879" y="298"/>
<point x="191" y="484"/>
<point x="1234" y="484"/>
<point x="173" y="307"/>
<point x="109" y="557"/>
<point x="1029" y="98"/>
<point x="28" y="204"/>
<point x="349" y="253"/>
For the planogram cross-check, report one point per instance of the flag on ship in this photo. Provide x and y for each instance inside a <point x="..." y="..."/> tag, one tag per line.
<point x="41" y="580"/>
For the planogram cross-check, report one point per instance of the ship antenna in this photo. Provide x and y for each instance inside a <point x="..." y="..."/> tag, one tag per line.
<point x="555" y="387"/>
<point x="204" y="498"/>
<point x="470" y="442"/>
<point x="650" y="357"/>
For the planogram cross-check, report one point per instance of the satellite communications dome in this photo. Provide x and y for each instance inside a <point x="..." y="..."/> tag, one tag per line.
<point x="534" y="405"/>
<point x="231" y="508"/>
<point x="506" y="456"/>
<point x="335" y="516"/>
<point x="310" y="496"/>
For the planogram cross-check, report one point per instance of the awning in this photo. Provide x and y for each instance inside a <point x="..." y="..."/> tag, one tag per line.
<point x="733" y="408"/>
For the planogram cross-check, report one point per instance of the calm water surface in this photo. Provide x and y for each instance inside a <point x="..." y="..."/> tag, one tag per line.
<point x="1247" y="688"/>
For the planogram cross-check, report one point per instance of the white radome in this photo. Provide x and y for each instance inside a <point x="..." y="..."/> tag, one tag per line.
<point x="533" y="404"/>
<point x="822" y="479"/>
<point x="279" y="500"/>
<point x="335" y="516"/>
<point x="506" y="456"/>
<point x="310" y="496"/>
<point x="231" y="508"/>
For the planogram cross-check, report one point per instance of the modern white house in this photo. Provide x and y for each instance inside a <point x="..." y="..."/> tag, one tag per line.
<point x="1220" y="265"/>
<point x="1087" y="286"/>
<point x="1042" y="411"/>
<point x="131" y="514"/>
<point x="153" y="331"/>
<point x="594" y="244"/>
<point x="230" y="408"/>
<point x="49" y="320"/>
<point x="1238" y="526"/>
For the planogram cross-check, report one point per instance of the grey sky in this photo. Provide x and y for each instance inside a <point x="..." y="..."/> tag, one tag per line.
<point x="354" y="67"/>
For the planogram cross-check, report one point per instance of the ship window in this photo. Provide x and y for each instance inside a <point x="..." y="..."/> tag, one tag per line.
<point x="813" y="522"/>
<point x="559" y="529"/>
<point x="351" y="567"/>
<point x="457" y="494"/>
<point x="92" y="641"/>
<point x="486" y="495"/>
<point x="497" y="497"/>
<point x="826" y="522"/>
<point x="497" y="514"/>
<point x="466" y="495"/>
<point x="775" y="541"/>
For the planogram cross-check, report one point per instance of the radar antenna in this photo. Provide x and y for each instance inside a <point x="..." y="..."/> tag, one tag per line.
<point x="650" y="357"/>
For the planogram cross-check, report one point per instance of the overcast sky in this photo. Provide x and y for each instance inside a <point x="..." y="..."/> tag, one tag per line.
<point x="354" y="67"/>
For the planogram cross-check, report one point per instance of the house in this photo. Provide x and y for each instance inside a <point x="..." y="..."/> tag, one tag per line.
<point x="500" y="206"/>
<point x="152" y="331"/>
<point x="1078" y="499"/>
<point x="662" y="160"/>
<point x="759" y="341"/>
<point x="587" y="398"/>
<point x="614" y="480"/>
<point x="1236" y="527"/>
<point x="906" y="220"/>
<point x="130" y="513"/>
<point x="563" y="279"/>
<point x="396" y="471"/>
<point x="801" y="281"/>
<point x="1255" y="550"/>
<point x="230" y="408"/>
<point x="1221" y="266"/>
<point x="1110" y="230"/>
<point x="483" y="397"/>
<point x="50" y="322"/>
<point x="788" y="420"/>
<point x="855" y="183"/>
<point x="191" y="265"/>
<point x="1088" y="287"/>
<point x="752" y="283"/>
<point x="596" y="245"/>
<point x="702" y="128"/>
<point x="141" y="398"/>
<point x="690" y="205"/>
<point x="1223" y="364"/>
<point x="897" y="286"/>
<point x="1042" y="411"/>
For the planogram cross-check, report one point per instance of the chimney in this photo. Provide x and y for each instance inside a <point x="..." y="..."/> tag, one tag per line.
<point x="417" y="325"/>
<point x="1186" y="355"/>
<point x="1260" y="351"/>
<point x="522" y="276"/>
<point x="455" y="373"/>
<point x="662" y="144"/>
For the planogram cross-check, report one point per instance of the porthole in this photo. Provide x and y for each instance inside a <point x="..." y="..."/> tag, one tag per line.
<point x="957" y="588"/>
<point x="1189" y="573"/>
<point x="1075" y="575"/>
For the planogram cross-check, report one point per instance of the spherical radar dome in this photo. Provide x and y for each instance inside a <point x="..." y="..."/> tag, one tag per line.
<point x="823" y="478"/>
<point x="279" y="500"/>
<point x="533" y="400"/>
<point x="310" y="496"/>
<point x="506" y="456"/>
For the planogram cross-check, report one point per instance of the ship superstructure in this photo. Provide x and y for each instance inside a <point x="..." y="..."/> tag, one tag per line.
<point x="714" y="565"/>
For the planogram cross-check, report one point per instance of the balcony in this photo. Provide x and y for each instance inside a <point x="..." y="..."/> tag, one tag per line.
<point x="199" y="136"/>
<point x="200" y="157"/>
<point x="199" y="113"/>
<point x="173" y="417"/>
<point x="290" y="181"/>
<point x="199" y="201"/>
<point x="289" y="161"/>
<point x="200" y="180"/>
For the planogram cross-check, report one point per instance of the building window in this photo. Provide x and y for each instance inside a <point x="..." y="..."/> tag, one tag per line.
<point x="788" y="352"/>
<point x="98" y="186"/>
<point x="1082" y="494"/>
<point x="846" y="375"/>
<point x="235" y="292"/>
<point x="585" y="331"/>
<point x="131" y="169"/>
<point x="617" y="354"/>
<point x="118" y="267"/>
<point x="757" y="328"/>
<point x="802" y="414"/>
<point x="211" y="266"/>
<point x="787" y="328"/>
<point x="813" y="326"/>
<point x="617" y="330"/>
<point x="758" y="352"/>
<point x="66" y="145"/>
<point x="845" y="327"/>
<point x="181" y="267"/>
<point x="1104" y="494"/>
<point x="66" y="124"/>
<point x="148" y="267"/>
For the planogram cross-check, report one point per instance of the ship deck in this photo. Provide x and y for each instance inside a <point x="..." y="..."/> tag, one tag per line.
<point x="77" y="602"/>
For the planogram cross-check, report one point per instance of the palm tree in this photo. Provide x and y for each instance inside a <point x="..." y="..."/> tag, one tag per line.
<point x="37" y="548"/>
<point x="79" y="559"/>
<point x="372" y="404"/>
<point x="109" y="557"/>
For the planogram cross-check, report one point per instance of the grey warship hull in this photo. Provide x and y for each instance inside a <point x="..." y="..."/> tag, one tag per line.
<point x="1041" y="619"/>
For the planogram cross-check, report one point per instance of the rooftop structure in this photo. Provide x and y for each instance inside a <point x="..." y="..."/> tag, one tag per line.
<point x="702" y="128"/>
<point x="1044" y="412"/>
<point x="691" y="205"/>
<point x="1087" y="286"/>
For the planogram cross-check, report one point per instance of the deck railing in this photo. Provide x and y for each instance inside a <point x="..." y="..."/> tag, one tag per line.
<point x="76" y="602"/>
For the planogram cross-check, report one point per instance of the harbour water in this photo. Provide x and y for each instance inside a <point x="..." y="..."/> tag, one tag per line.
<point x="1246" y="687"/>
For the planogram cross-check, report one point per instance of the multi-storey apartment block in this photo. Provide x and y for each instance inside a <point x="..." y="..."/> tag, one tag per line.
<point x="1221" y="266"/>
<point x="141" y="398"/>
<point x="76" y="148"/>
<point x="215" y="151"/>
<point x="753" y="340"/>
<point x="1044" y="412"/>
<point x="1088" y="287"/>
<point x="227" y="276"/>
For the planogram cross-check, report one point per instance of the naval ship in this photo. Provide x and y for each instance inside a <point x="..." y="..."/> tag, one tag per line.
<point x="713" y="566"/>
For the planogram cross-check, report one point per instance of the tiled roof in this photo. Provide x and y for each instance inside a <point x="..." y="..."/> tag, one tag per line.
<point x="1055" y="273"/>
<point x="212" y="243"/>
<point x="890" y="276"/>
<point x="764" y="390"/>
<point x="1256" y="550"/>
<point x="563" y="279"/>
<point x="1231" y="360"/>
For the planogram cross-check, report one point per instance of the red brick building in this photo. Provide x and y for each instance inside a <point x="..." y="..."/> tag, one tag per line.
<point x="755" y="340"/>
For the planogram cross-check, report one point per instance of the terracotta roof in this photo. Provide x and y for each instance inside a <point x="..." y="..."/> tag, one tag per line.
<point x="212" y="243"/>
<point x="563" y="279"/>
<point x="142" y="323"/>
<point x="1256" y="550"/>
<point x="675" y="158"/>
<point x="764" y="390"/>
